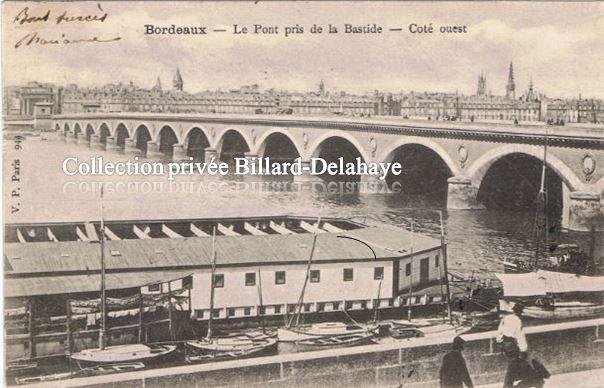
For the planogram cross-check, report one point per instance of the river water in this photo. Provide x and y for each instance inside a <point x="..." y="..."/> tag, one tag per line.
<point x="477" y="240"/>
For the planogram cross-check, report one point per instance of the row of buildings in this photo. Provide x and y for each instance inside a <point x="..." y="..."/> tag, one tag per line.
<point x="483" y="106"/>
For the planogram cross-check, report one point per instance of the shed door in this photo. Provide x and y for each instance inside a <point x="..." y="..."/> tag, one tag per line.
<point x="424" y="270"/>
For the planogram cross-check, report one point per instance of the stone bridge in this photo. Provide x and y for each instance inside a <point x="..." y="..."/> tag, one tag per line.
<point x="467" y="151"/>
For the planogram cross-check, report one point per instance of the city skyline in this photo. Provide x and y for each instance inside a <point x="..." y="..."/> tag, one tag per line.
<point x="555" y="45"/>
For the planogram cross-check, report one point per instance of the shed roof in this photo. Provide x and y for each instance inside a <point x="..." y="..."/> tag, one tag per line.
<point x="47" y="268"/>
<point x="83" y="257"/>
<point x="71" y="284"/>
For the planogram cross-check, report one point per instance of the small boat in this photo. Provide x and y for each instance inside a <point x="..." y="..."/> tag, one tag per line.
<point x="567" y="258"/>
<point x="17" y="368"/>
<point x="322" y="330"/>
<point x="553" y="295"/>
<point x="335" y="341"/>
<point x="233" y="346"/>
<point x="398" y="330"/>
<point x="565" y="311"/>
<point x="112" y="368"/>
<point x="43" y="378"/>
<point x="131" y="353"/>
<point x="230" y="346"/>
<point x="341" y="332"/>
<point x="562" y="310"/>
<point x="92" y="371"/>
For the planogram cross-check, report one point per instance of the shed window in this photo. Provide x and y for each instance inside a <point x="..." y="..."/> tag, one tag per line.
<point x="408" y="269"/>
<point x="436" y="260"/>
<point x="315" y="276"/>
<point x="280" y="277"/>
<point x="154" y="287"/>
<point x="348" y="274"/>
<point x="250" y="279"/>
<point x="218" y="280"/>
<point x="230" y="312"/>
<point x="378" y="273"/>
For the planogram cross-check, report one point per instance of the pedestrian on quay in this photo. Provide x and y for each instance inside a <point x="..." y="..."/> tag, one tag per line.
<point x="522" y="373"/>
<point x="453" y="371"/>
<point x="510" y="333"/>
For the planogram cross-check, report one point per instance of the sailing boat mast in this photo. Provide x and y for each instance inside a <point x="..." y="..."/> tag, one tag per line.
<point x="261" y="312"/>
<point x="410" y="275"/>
<point x="209" y="334"/>
<point x="541" y="218"/>
<point x="443" y="244"/>
<point x="298" y="313"/>
<point x="103" y="329"/>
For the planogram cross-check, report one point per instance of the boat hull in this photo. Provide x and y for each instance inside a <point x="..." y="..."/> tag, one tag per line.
<point x="567" y="312"/>
<point x="317" y="331"/>
<point x="123" y="354"/>
<point x="334" y="342"/>
<point x="226" y="348"/>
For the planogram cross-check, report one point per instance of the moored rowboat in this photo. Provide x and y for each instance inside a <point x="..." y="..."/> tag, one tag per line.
<point x="322" y="330"/>
<point x="336" y="341"/>
<point x="233" y="346"/>
<point x="123" y="354"/>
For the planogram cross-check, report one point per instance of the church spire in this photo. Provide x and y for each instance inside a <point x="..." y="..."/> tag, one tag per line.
<point x="177" y="83"/>
<point x="481" y="89"/>
<point x="157" y="87"/>
<point x="510" y="89"/>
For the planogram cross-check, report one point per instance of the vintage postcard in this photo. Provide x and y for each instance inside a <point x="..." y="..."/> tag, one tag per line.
<point x="301" y="194"/>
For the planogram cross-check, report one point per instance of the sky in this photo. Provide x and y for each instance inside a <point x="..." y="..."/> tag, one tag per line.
<point x="559" y="45"/>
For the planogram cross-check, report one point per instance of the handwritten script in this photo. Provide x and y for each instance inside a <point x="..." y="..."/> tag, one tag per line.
<point x="48" y="18"/>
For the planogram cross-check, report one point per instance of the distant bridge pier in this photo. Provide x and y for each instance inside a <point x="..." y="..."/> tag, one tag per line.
<point x="211" y="154"/>
<point x="179" y="153"/>
<point x="462" y="194"/>
<point x="153" y="152"/>
<point x="583" y="211"/>
<point x="130" y="148"/>
<point x="112" y="145"/>
<point x="76" y="139"/>
<point x="95" y="142"/>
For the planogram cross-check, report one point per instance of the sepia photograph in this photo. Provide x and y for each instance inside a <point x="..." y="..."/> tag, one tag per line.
<point x="303" y="194"/>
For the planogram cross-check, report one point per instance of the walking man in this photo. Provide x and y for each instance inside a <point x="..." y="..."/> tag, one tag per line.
<point x="453" y="371"/>
<point x="511" y="333"/>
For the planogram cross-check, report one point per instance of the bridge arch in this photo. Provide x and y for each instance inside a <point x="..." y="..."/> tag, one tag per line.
<point x="77" y="129"/>
<point x="141" y="137"/>
<point x="277" y="135"/>
<point x="315" y="148"/>
<point x="334" y="145"/>
<point x="390" y="152"/>
<point x="232" y="142"/>
<point x="89" y="131"/>
<point x="104" y="133"/>
<point x="66" y="129"/>
<point x="121" y="134"/>
<point x="478" y="170"/>
<point x="195" y="142"/>
<point x="166" y="138"/>
<point x="426" y="167"/>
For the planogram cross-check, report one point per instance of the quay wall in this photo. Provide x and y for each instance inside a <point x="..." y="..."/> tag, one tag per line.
<point x="562" y="347"/>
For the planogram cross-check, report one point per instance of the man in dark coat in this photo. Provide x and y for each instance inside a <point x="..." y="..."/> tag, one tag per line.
<point x="523" y="373"/>
<point x="454" y="372"/>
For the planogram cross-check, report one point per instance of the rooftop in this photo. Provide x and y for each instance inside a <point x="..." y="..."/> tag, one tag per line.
<point x="61" y="267"/>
